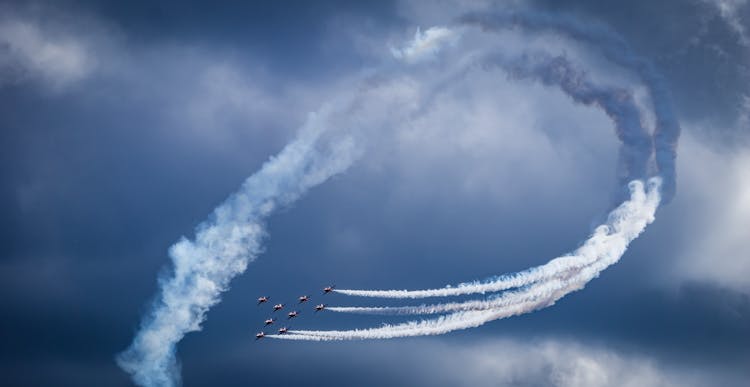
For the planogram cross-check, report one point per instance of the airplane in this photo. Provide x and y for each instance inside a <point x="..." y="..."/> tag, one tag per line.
<point x="303" y="299"/>
<point x="270" y="321"/>
<point x="283" y="330"/>
<point x="277" y="307"/>
<point x="260" y="335"/>
<point x="292" y="314"/>
<point x="262" y="300"/>
<point x="320" y="307"/>
<point x="328" y="289"/>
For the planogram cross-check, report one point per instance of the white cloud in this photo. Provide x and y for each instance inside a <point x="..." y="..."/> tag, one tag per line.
<point x="486" y="133"/>
<point x="478" y="135"/>
<point x="27" y="51"/>
<point x="223" y="102"/>
<point x="743" y="121"/>
<point x="564" y="363"/>
<point x="729" y="11"/>
<point x="715" y="183"/>
<point x="504" y="361"/>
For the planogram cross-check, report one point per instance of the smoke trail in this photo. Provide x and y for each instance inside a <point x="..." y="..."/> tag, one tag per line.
<point x="632" y="218"/>
<point x="624" y="225"/>
<point x="617" y="50"/>
<point x="223" y="246"/>
<point x="618" y="104"/>
<point x="531" y="292"/>
<point x="424" y="45"/>
<point x="442" y="325"/>
<point x="546" y="295"/>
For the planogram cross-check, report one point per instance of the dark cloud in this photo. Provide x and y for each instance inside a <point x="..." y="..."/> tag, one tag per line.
<point x="100" y="177"/>
<point x="687" y="40"/>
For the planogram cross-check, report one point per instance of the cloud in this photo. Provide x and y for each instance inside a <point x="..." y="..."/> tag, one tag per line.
<point x="30" y="51"/>
<point x="520" y="361"/>
<point x="743" y="120"/>
<point x="729" y="11"/>
<point x="718" y="194"/>
<point x="566" y="363"/>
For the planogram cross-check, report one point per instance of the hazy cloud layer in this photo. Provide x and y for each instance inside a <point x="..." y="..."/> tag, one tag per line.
<point x="157" y="113"/>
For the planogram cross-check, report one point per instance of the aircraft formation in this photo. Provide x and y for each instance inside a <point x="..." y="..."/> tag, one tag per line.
<point x="302" y="299"/>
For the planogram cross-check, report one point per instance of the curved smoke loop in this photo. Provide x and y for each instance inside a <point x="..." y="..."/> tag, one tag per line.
<point x="603" y="249"/>
<point x="232" y="236"/>
<point x="543" y="285"/>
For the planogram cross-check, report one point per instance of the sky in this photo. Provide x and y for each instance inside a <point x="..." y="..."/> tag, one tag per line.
<point x="124" y="124"/>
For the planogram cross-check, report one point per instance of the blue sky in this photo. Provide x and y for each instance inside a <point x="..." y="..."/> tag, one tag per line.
<point x="123" y="125"/>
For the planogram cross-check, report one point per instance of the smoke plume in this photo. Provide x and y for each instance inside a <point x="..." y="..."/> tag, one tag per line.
<point x="624" y="225"/>
<point x="222" y="248"/>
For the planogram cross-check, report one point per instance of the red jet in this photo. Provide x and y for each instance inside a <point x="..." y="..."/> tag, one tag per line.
<point x="320" y="307"/>
<point x="328" y="289"/>
<point x="303" y="299"/>
<point x="277" y="307"/>
<point x="292" y="314"/>
<point x="262" y="300"/>
<point x="270" y="321"/>
<point x="260" y="335"/>
<point x="283" y="330"/>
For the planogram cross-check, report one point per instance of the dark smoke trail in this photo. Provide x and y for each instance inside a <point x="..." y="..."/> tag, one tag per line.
<point x="635" y="141"/>
<point x="614" y="48"/>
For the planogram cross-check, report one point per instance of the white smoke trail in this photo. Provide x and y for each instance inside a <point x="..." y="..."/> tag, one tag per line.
<point x="602" y="249"/>
<point x="632" y="218"/>
<point x="618" y="104"/>
<point x="442" y="325"/>
<point x="541" y="289"/>
<point x="224" y="245"/>
<point x="424" y="45"/>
